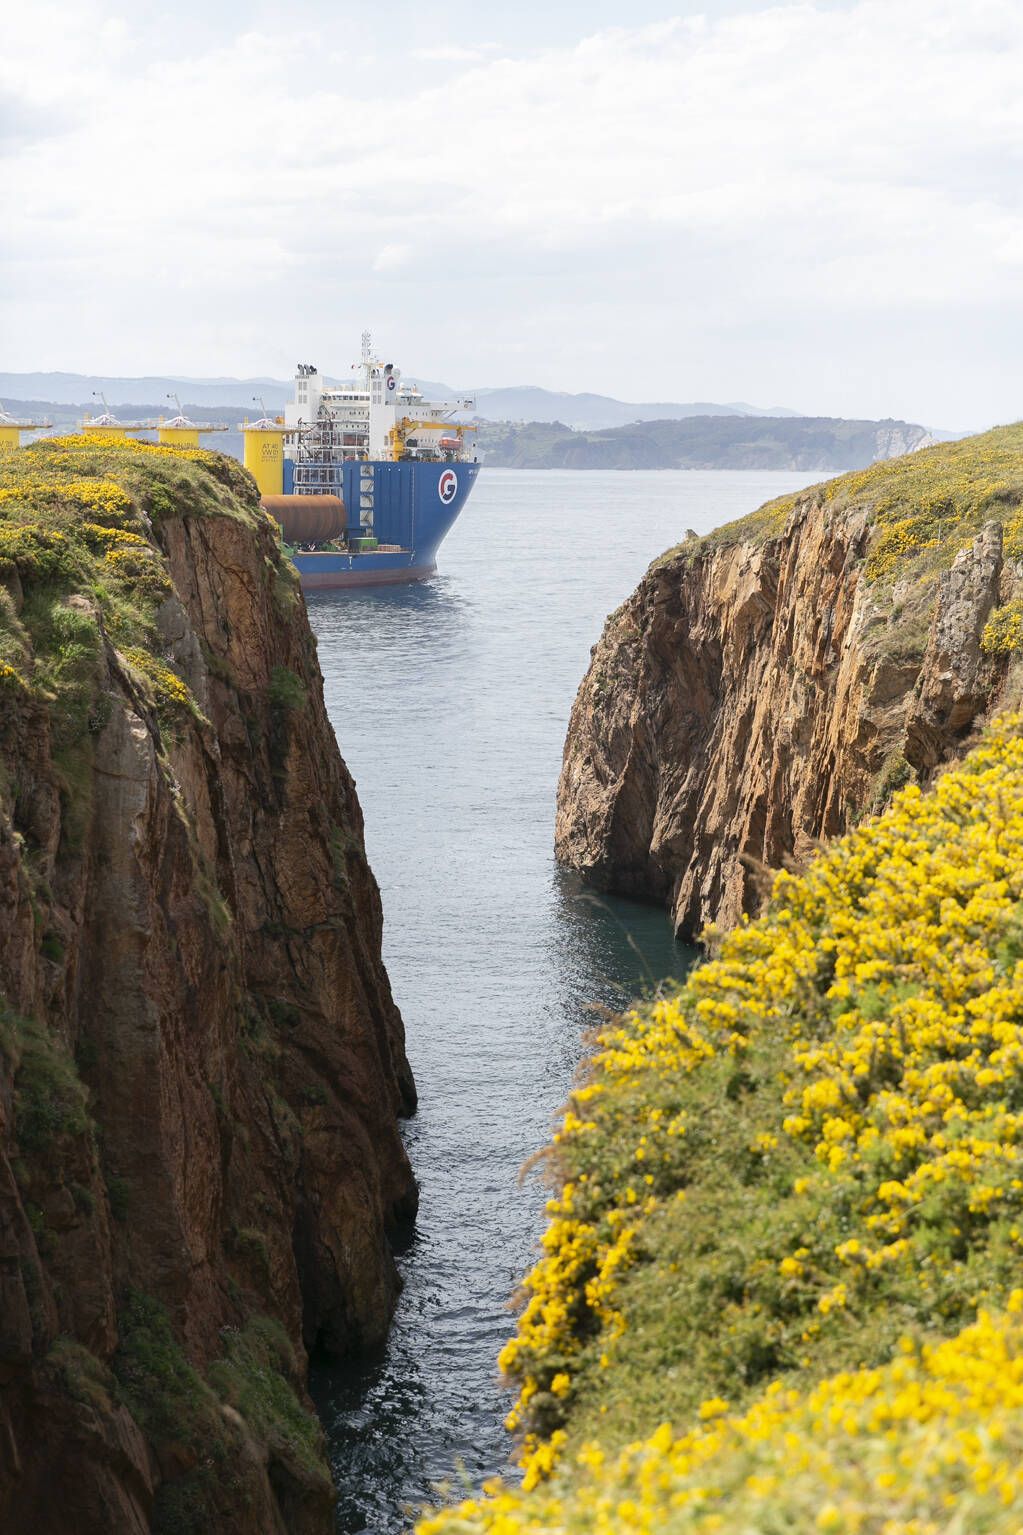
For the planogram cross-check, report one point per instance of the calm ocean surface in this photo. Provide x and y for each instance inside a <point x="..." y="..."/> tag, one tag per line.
<point x="450" y="701"/>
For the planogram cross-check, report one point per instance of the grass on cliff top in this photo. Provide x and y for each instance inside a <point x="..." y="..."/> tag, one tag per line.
<point x="76" y="512"/>
<point x="923" y="508"/>
<point x="80" y="564"/>
<point x="779" y="1287"/>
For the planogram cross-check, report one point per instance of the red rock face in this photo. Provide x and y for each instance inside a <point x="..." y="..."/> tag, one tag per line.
<point x="753" y="698"/>
<point x="201" y="1071"/>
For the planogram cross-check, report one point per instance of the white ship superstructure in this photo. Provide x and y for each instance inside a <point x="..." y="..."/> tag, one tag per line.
<point x="376" y="417"/>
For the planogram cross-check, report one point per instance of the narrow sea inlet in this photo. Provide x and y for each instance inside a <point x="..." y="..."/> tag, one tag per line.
<point x="450" y="701"/>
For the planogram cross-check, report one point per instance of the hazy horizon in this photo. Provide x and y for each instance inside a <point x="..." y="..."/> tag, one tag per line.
<point x="756" y="410"/>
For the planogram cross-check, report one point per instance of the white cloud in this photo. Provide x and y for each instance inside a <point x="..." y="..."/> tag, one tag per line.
<point x="390" y="258"/>
<point x="845" y="165"/>
<point x="454" y="53"/>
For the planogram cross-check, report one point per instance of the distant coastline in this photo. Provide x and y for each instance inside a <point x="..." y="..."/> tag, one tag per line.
<point x="519" y="428"/>
<point x="807" y="443"/>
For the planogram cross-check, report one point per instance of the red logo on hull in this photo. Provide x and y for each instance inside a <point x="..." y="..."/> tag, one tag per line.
<point x="447" y="486"/>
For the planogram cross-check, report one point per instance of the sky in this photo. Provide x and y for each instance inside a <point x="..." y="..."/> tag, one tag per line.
<point x="815" y="205"/>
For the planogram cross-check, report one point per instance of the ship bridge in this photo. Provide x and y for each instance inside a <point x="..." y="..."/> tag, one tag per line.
<point x="375" y="417"/>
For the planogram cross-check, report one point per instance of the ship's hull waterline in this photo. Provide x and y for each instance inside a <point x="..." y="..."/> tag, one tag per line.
<point x="414" y="506"/>
<point x="316" y="575"/>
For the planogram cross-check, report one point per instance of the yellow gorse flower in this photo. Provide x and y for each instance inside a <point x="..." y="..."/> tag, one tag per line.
<point x="76" y="516"/>
<point x="895" y="1448"/>
<point x="893" y="972"/>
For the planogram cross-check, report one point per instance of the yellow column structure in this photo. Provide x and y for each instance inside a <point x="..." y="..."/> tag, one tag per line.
<point x="11" y="430"/>
<point x="178" y="436"/>
<point x="264" y="454"/>
<point x="179" y="432"/>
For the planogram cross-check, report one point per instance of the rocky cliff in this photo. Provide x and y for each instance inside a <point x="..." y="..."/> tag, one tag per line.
<point x="766" y="686"/>
<point x="201" y="1066"/>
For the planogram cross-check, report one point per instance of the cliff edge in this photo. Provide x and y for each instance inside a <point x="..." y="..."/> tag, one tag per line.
<point x="201" y="1066"/>
<point x="768" y="684"/>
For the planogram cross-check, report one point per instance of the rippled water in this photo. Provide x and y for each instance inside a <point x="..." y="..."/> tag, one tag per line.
<point x="450" y="702"/>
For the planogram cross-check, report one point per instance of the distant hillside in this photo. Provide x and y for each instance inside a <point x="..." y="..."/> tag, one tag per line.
<point x="594" y="412"/>
<point x="704" y="442"/>
<point x="523" y="427"/>
<point x="586" y="412"/>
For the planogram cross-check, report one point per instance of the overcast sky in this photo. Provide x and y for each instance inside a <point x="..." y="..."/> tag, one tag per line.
<point x="817" y="205"/>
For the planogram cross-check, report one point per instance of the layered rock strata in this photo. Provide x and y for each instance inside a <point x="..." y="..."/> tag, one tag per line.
<point x="765" y="687"/>
<point x="201" y="1064"/>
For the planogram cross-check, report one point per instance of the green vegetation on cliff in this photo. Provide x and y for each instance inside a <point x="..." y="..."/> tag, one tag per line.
<point x="917" y="513"/>
<point x="921" y="509"/>
<point x="779" y="1290"/>
<point x="256" y="1379"/>
<point x="76" y="523"/>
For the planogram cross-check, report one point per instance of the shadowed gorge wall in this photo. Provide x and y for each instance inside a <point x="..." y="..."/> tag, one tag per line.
<point x="201" y="1066"/>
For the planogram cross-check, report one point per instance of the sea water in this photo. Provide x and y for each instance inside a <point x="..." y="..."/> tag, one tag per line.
<point x="450" y="700"/>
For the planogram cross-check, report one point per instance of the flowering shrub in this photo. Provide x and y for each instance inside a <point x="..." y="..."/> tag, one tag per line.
<point x="99" y="537"/>
<point x="140" y="566"/>
<point x="814" y="1144"/>
<point x="126" y="445"/>
<point x="170" y="693"/>
<point x="76" y="519"/>
<point x="921" y="508"/>
<point x="34" y="551"/>
<point x="938" y="498"/>
<point x="101" y="447"/>
<point x="895" y="540"/>
<point x="101" y="498"/>
<point x="930" y="1444"/>
<point x="1003" y="631"/>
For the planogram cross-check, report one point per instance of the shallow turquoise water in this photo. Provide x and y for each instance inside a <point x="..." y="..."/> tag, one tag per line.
<point x="450" y="701"/>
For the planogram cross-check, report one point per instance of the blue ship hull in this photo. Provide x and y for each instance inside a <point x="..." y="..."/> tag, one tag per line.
<point x="409" y="505"/>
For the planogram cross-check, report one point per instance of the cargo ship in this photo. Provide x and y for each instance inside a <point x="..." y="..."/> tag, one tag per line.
<point x="366" y="479"/>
